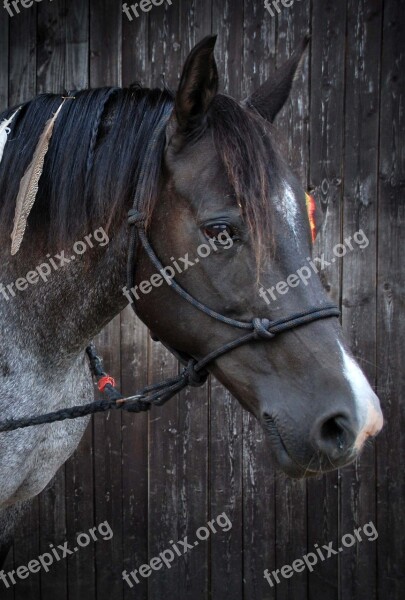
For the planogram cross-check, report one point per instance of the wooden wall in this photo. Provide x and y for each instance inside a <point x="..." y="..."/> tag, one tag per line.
<point x="159" y="477"/>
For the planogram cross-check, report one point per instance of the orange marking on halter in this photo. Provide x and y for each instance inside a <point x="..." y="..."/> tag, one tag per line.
<point x="103" y="381"/>
<point x="311" y="208"/>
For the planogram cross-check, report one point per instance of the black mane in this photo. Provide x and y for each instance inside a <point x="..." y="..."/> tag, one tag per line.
<point x="99" y="142"/>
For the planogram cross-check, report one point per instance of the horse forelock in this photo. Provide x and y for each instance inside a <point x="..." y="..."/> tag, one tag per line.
<point x="245" y="144"/>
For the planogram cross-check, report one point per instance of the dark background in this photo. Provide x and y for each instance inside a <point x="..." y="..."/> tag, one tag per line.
<point x="159" y="477"/>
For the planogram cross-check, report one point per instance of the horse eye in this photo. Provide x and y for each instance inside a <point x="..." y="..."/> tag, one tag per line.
<point x="214" y="230"/>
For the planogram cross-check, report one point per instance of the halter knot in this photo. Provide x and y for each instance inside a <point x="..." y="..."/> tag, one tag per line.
<point x="135" y="217"/>
<point x="261" y="327"/>
<point x="193" y="377"/>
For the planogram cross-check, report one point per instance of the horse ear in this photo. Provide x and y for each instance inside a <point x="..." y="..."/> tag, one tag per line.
<point x="270" y="98"/>
<point x="198" y="85"/>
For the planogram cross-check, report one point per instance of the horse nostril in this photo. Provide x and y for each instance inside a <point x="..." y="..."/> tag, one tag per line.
<point x="334" y="436"/>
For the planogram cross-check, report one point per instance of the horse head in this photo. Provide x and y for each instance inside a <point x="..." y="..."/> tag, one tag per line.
<point x="226" y="189"/>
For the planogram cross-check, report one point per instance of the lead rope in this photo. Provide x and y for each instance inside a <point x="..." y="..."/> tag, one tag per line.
<point x="194" y="374"/>
<point x="156" y="394"/>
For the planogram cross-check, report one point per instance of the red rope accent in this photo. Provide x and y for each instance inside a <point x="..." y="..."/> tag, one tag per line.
<point x="103" y="381"/>
<point x="311" y="208"/>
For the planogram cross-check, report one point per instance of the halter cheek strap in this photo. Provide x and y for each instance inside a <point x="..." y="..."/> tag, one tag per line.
<point x="256" y="329"/>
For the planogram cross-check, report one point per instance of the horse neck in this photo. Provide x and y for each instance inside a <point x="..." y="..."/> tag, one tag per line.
<point x="56" y="319"/>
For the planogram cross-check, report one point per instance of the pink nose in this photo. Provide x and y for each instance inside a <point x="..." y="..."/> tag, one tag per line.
<point x="373" y="424"/>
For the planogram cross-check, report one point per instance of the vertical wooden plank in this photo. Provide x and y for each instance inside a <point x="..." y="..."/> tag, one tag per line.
<point x="135" y="55"/>
<point x="326" y="176"/>
<point x="27" y="547"/>
<point x="105" y="43"/>
<point x="291" y="496"/>
<point x="134" y="368"/>
<point x="105" y="69"/>
<point x="108" y="475"/>
<point x="293" y="24"/>
<point x="226" y="492"/>
<point x="51" y="36"/>
<point x="258" y="470"/>
<point x="8" y="594"/>
<point x="186" y="505"/>
<point x="259" y="48"/>
<point x="226" y="433"/>
<point x="163" y="477"/>
<point x="77" y="45"/>
<point x="193" y="460"/>
<point x="22" y="63"/>
<point x="227" y="23"/>
<point x="135" y="477"/>
<point x="52" y="517"/>
<point x="79" y="469"/>
<point x="390" y="313"/>
<point x="358" y="575"/>
<point x="4" y="58"/>
<point x="51" y="78"/>
<point x="80" y="517"/>
<point x="4" y="75"/>
<point x="193" y="491"/>
<point x="164" y="422"/>
<point x="22" y="87"/>
<point x="196" y="23"/>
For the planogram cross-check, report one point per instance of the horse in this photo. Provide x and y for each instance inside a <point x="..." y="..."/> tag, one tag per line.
<point x="214" y="169"/>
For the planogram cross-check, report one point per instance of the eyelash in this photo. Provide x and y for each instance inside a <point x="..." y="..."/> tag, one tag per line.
<point x="208" y="230"/>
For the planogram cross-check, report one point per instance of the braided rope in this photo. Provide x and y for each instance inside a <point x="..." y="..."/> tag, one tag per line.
<point x="94" y="134"/>
<point x="155" y="394"/>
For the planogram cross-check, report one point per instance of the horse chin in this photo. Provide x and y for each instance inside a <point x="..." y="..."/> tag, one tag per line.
<point x="284" y="461"/>
<point x="287" y="463"/>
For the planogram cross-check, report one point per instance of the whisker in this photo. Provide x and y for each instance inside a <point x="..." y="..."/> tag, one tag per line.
<point x="369" y="362"/>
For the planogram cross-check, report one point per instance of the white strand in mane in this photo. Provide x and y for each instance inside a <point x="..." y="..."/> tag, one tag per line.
<point x="29" y="184"/>
<point x="4" y="132"/>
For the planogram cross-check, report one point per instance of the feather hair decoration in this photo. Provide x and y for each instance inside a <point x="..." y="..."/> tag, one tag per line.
<point x="4" y="132"/>
<point x="29" y="184"/>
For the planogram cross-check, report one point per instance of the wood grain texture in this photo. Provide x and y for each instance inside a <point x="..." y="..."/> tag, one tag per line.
<point x="51" y="55"/>
<point x="326" y="183"/>
<point x="4" y="58"/>
<point x="259" y="473"/>
<point x="159" y="477"/>
<point x="79" y="478"/>
<point x="390" y="446"/>
<point x="21" y="87"/>
<point x="164" y="442"/>
<point x="358" y="575"/>
<point x="226" y="426"/>
<point x="105" y="69"/>
<point x="292" y="123"/>
<point x="134" y="370"/>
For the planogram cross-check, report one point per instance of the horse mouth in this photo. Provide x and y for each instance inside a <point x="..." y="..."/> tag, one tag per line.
<point x="283" y="457"/>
